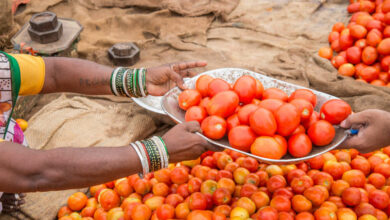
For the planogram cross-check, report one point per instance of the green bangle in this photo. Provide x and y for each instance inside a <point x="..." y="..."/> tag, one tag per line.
<point x="129" y="82"/>
<point x="144" y="82"/>
<point x="153" y="154"/>
<point x="165" y="146"/>
<point x="119" y="82"/>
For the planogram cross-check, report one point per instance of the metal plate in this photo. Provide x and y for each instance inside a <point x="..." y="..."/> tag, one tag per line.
<point x="171" y="107"/>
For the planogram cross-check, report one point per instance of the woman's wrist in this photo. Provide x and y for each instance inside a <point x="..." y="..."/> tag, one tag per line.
<point x="128" y="82"/>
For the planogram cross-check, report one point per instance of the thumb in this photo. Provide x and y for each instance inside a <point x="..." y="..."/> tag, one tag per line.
<point x="354" y="120"/>
<point x="192" y="126"/>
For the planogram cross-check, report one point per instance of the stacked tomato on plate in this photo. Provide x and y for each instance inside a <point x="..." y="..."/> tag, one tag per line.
<point x="363" y="46"/>
<point x="264" y="122"/>
<point x="337" y="185"/>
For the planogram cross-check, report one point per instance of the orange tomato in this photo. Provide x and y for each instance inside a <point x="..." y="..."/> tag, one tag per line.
<point x="216" y="86"/>
<point x="325" y="52"/>
<point x="246" y="88"/>
<point x="202" y="84"/>
<point x="267" y="147"/>
<point x="275" y="93"/>
<point x="77" y="201"/>
<point x="189" y="98"/>
<point x="263" y="122"/>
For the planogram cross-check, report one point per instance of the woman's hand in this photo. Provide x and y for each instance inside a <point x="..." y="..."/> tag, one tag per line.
<point x="161" y="79"/>
<point x="183" y="144"/>
<point x="374" y="130"/>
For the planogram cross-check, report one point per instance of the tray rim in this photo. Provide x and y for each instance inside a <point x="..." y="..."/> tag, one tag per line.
<point x="263" y="159"/>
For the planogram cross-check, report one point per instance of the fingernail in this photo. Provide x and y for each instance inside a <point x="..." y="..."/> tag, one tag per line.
<point x="343" y="123"/>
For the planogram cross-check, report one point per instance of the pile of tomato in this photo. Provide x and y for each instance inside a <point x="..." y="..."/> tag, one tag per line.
<point x="363" y="46"/>
<point x="343" y="185"/>
<point x="268" y="123"/>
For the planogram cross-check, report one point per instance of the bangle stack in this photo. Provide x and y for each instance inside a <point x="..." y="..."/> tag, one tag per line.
<point x="152" y="153"/>
<point x="128" y="82"/>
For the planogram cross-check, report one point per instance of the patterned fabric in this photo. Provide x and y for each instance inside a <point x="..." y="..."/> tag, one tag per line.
<point x="9" y="89"/>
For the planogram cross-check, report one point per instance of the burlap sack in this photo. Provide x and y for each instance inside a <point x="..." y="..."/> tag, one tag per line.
<point x="280" y="38"/>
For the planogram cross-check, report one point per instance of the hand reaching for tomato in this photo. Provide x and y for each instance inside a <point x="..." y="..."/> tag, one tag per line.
<point x="183" y="144"/>
<point x="374" y="130"/>
<point x="161" y="79"/>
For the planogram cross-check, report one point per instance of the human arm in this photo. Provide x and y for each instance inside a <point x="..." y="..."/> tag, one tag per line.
<point x="27" y="170"/>
<point x="374" y="130"/>
<point x="86" y="77"/>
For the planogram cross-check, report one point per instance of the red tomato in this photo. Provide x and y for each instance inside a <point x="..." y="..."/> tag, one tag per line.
<point x="202" y="84"/>
<point x="232" y="122"/>
<point x="263" y="122"/>
<point x="241" y="137"/>
<point x="287" y="119"/>
<point x="339" y="26"/>
<point x="189" y="98"/>
<point x="354" y="55"/>
<point x="223" y="104"/>
<point x="374" y="37"/>
<point x="271" y="104"/>
<point x="217" y="86"/>
<point x="369" y="55"/>
<point x="221" y="196"/>
<point x="362" y="43"/>
<point x="214" y="127"/>
<point x="335" y="45"/>
<point x="197" y="201"/>
<point x="267" y="147"/>
<point x="245" y="112"/>
<point x="299" y="145"/>
<point x="351" y="196"/>
<point x="313" y="118"/>
<point x="358" y="31"/>
<point x="338" y="60"/>
<point x="304" y="94"/>
<point x="204" y="102"/>
<point x="385" y="63"/>
<point x="245" y="87"/>
<point x="165" y="211"/>
<point x="374" y="24"/>
<point x="259" y="89"/>
<point x="345" y="41"/>
<point x="275" y="93"/>
<point x="334" y="35"/>
<point x="321" y="133"/>
<point x="196" y="113"/>
<point x="282" y="142"/>
<point x="335" y="111"/>
<point x="304" y="107"/>
<point x="384" y="47"/>
<point x="379" y="199"/>
<point x="369" y="73"/>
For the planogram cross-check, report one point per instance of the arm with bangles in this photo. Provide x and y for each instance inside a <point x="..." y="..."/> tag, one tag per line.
<point x="28" y="170"/>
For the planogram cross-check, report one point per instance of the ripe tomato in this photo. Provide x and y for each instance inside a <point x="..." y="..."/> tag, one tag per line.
<point x="321" y="133"/>
<point x="364" y="208"/>
<point x="77" y="201"/>
<point x="259" y="89"/>
<point x="323" y="179"/>
<point x="304" y="216"/>
<point x="345" y="41"/>
<point x="275" y="93"/>
<point x="179" y="175"/>
<point x="313" y="118"/>
<point x="267" y="147"/>
<point x="301" y="204"/>
<point x="245" y="87"/>
<point x="334" y="35"/>
<point x="202" y="84"/>
<point x="374" y="37"/>
<point x="245" y="112"/>
<point x="325" y="213"/>
<point x="108" y="199"/>
<point x="379" y="199"/>
<point x="263" y="122"/>
<point x="196" y="113"/>
<point x="241" y="137"/>
<point x="276" y="182"/>
<point x="339" y="186"/>
<point x="283" y="143"/>
<point x="338" y="27"/>
<point x="141" y="212"/>
<point x="160" y="189"/>
<point x="189" y="98"/>
<point x="384" y="47"/>
<point x="369" y="73"/>
<point x="335" y="111"/>
<point x="304" y="107"/>
<point x="338" y="60"/>
<point x="362" y="43"/>
<point x="281" y="203"/>
<point x="214" y="127"/>
<point x="354" y="55"/>
<point x="250" y="164"/>
<point x="174" y="199"/>
<point x="351" y="196"/>
<point x="221" y="196"/>
<point x="347" y="69"/>
<point x="232" y="121"/>
<point x="325" y="52"/>
<point x="165" y="212"/>
<point x="287" y="119"/>
<point x="197" y="201"/>
<point x="182" y="210"/>
<point x="200" y="215"/>
<point x="358" y="31"/>
<point x="223" y="104"/>
<point x="218" y="85"/>
<point x="226" y="183"/>
<point x="316" y="195"/>
<point x="335" y="45"/>
<point x="260" y="199"/>
<point x="299" y="145"/>
<point x="369" y="55"/>
<point x="267" y="213"/>
<point x="204" y="102"/>
<point x="271" y="104"/>
<point x="385" y="63"/>
<point x="355" y="178"/>
<point x="377" y="179"/>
